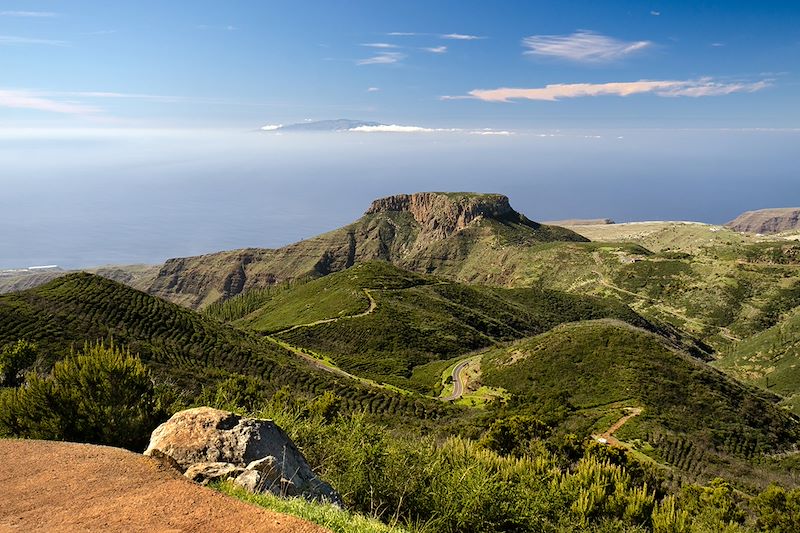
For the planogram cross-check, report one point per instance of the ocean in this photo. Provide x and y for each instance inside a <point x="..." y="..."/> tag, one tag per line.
<point x="80" y="198"/>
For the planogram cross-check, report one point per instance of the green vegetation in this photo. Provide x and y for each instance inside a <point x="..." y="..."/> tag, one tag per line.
<point x="417" y="320"/>
<point x="15" y="359"/>
<point x="332" y="517"/>
<point x="517" y="478"/>
<point x="103" y="396"/>
<point x="770" y="359"/>
<point x="578" y="376"/>
<point x="184" y="350"/>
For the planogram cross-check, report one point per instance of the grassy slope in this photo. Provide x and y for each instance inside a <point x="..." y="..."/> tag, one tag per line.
<point x="181" y="345"/>
<point x="694" y="417"/>
<point x="770" y="359"/>
<point x="418" y="319"/>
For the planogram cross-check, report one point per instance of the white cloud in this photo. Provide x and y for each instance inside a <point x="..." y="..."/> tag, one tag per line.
<point x="717" y="45"/>
<point x="271" y="127"/>
<point x="12" y="40"/>
<point x="461" y="37"/>
<point x="402" y="33"/>
<point x="16" y="99"/>
<point x="29" y="14"/>
<point x="380" y="45"/>
<point x="492" y="132"/>
<point x="384" y="58"/>
<point x="656" y="13"/>
<point x="373" y="89"/>
<point x="558" y="91"/>
<point x="392" y="128"/>
<point x="436" y="49"/>
<point x="582" y="46"/>
<point x="397" y="128"/>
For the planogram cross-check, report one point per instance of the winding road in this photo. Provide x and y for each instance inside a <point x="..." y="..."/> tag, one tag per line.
<point x="458" y="382"/>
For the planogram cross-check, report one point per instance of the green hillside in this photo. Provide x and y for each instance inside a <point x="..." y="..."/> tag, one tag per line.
<point x="378" y="321"/>
<point x="184" y="348"/>
<point x="582" y="376"/>
<point x="770" y="359"/>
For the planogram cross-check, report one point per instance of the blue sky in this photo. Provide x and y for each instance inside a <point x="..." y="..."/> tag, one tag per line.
<point x="436" y="64"/>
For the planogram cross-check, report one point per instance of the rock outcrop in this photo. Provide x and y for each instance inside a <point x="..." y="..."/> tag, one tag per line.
<point x="767" y="221"/>
<point x="442" y="214"/>
<point x="209" y="444"/>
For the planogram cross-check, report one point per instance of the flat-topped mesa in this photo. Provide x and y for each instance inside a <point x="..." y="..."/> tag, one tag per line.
<point x="767" y="221"/>
<point x="442" y="214"/>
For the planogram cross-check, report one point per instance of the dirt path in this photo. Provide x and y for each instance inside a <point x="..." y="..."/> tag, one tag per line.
<point x="372" y="306"/>
<point x="315" y="361"/>
<point x="607" y="437"/>
<point x="66" y="487"/>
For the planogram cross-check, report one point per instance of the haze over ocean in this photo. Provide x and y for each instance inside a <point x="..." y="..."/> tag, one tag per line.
<point x="81" y="198"/>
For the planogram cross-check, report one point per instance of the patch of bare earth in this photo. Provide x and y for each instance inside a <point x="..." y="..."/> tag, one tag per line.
<point x="66" y="487"/>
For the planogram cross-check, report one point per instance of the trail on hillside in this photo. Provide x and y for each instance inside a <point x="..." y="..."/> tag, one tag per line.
<point x="602" y="280"/>
<point x="315" y="361"/>
<point x="607" y="437"/>
<point x="372" y="306"/>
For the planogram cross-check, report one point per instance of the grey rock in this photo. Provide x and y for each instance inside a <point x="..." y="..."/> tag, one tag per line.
<point x="206" y="435"/>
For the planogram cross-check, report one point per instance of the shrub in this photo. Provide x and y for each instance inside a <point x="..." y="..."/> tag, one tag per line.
<point x="102" y="396"/>
<point x="14" y="360"/>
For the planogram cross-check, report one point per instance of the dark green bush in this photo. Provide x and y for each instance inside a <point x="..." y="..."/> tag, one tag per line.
<point x="102" y="396"/>
<point x="14" y="360"/>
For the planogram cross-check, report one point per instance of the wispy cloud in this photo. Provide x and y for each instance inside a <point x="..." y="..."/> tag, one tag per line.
<point x="582" y="46"/>
<point x="436" y="49"/>
<point x="16" y="99"/>
<point x="655" y="13"/>
<point x="29" y="14"/>
<point x="717" y="45"/>
<point x="373" y="89"/>
<point x="384" y="58"/>
<point x="667" y="88"/>
<point x="15" y="40"/>
<point x="380" y="45"/>
<point x="402" y="33"/>
<point x="461" y="37"/>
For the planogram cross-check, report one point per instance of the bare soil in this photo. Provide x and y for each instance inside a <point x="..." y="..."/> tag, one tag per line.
<point x="66" y="487"/>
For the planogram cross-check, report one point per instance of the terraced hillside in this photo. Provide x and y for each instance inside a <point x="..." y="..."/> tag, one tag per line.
<point x="184" y="348"/>
<point x="381" y="322"/>
<point x="581" y="377"/>
<point x="424" y="232"/>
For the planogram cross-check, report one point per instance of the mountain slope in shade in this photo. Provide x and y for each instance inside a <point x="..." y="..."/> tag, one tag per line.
<point x="424" y="232"/>
<point x="767" y="221"/>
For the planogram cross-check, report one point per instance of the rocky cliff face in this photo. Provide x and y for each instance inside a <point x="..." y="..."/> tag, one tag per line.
<point x="767" y="221"/>
<point x="442" y="214"/>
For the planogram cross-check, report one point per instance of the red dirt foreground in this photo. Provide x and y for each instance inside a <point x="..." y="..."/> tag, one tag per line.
<point x="64" y="487"/>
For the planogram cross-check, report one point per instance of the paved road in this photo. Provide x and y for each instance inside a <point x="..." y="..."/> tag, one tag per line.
<point x="458" y="383"/>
